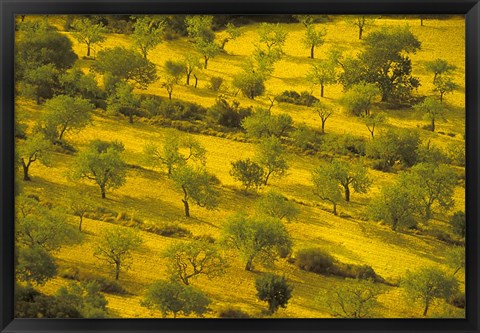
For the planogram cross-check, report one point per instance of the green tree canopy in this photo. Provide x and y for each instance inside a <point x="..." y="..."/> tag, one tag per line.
<point x="189" y="260"/>
<point x="322" y="73"/>
<point x="197" y="185"/>
<point x="428" y="284"/>
<point x="123" y="100"/>
<point x="65" y="114"/>
<point x="172" y="297"/>
<point x="249" y="173"/>
<point x="147" y="33"/>
<point x="34" y="148"/>
<point x="432" y="109"/>
<point x="257" y="238"/>
<point x="271" y="156"/>
<point x="263" y="124"/>
<point x="277" y="206"/>
<point x="88" y="33"/>
<point x="273" y="289"/>
<point x="326" y="187"/>
<point x="359" y="98"/>
<point x="35" y="265"/>
<point x="115" y="247"/>
<point x="199" y="28"/>
<point x="126" y="65"/>
<point x="102" y="163"/>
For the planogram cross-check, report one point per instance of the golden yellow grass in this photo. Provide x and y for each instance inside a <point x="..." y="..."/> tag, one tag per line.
<point x="154" y="198"/>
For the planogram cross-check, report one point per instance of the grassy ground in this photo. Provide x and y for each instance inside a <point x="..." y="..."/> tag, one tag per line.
<point x="154" y="198"/>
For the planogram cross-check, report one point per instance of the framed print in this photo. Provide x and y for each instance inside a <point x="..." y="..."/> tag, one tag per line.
<point x="240" y="166"/>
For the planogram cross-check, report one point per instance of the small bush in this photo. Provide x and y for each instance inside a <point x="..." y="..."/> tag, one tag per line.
<point x="231" y="312"/>
<point x="205" y="238"/>
<point x="457" y="300"/>
<point x="216" y="83"/>
<point x="354" y="271"/>
<point x="106" y="285"/>
<point x="177" y="110"/>
<point x="169" y="229"/>
<point x="71" y="273"/>
<point x="314" y="260"/>
<point x="293" y="97"/>
<point x="228" y="114"/>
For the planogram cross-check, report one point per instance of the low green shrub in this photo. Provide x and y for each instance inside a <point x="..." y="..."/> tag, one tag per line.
<point x="231" y="312"/>
<point x="314" y="260"/>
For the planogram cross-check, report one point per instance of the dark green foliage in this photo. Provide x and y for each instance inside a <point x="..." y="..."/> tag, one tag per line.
<point x="394" y="146"/>
<point x="75" y="83"/>
<point x="359" y="98"/>
<point x="251" y="84"/>
<point x="228" y="114"/>
<point x="385" y="63"/>
<point x="293" y="97"/>
<point x="35" y="265"/>
<point x="126" y="65"/>
<point x="32" y="304"/>
<point x="314" y="260"/>
<point x="178" y="110"/>
<point x="263" y="124"/>
<point x="231" y="312"/>
<point x="249" y="173"/>
<point x="271" y="156"/>
<point x="105" y="285"/>
<point x="304" y="137"/>
<point x="40" y="46"/>
<point x="458" y="223"/>
<point x="172" y="297"/>
<point x="85" y="297"/>
<point x="457" y="300"/>
<point x="274" y="290"/>
<point x="169" y="229"/>
<point x="216" y="83"/>
<point x="124" y="101"/>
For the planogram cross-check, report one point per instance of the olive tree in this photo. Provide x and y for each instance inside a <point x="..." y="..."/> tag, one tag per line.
<point x="115" y="247"/>
<point x="177" y="150"/>
<point x="326" y="187"/>
<point x="271" y="156"/>
<point x="197" y="185"/>
<point x="263" y="124"/>
<point x="257" y="238"/>
<point x="432" y="109"/>
<point x="231" y="33"/>
<point x="359" y="98"/>
<point x="372" y="121"/>
<point x="88" y="33"/>
<point x="324" y="111"/>
<point x="249" y="173"/>
<point x="172" y="297"/>
<point x="396" y="205"/>
<point x="65" y="114"/>
<point x="34" y="148"/>
<point x="147" y="33"/>
<point x="123" y="100"/>
<point x="199" y="28"/>
<point x="355" y="298"/>
<point x="191" y="259"/>
<point x="439" y="67"/>
<point x="274" y="37"/>
<point x="428" y="284"/>
<point x="34" y="265"/>
<point x="277" y="206"/>
<point x="101" y="162"/>
<point x="434" y="185"/>
<point x="273" y="289"/>
<point x="79" y="206"/>
<point x="444" y="85"/>
<point x="456" y="258"/>
<point x="313" y="38"/>
<point x="458" y="223"/>
<point x="322" y="73"/>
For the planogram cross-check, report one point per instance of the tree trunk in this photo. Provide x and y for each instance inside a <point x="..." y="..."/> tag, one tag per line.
<point x="130" y="117"/>
<point x="323" y="125"/>
<point x="347" y="193"/>
<point x="102" y="189"/>
<point x="117" y="270"/>
<point x="26" y="177"/>
<point x="421" y="22"/>
<point x="322" y="88"/>
<point x="206" y="62"/>
<point x="187" y="207"/>
<point x="426" y="309"/>
<point x="394" y="224"/>
<point x="433" y="125"/>
<point x="80" y="224"/>
<point x="170" y="95"/>
<point x="196" y="80"/>
<point x="360" y="32"/>
<point x="266" y="178"/>
<point x="22" y="17"/>
<point x="88" y="50"/>
<point x="312" y="51"/>
<point x="249" y="265"/>
<point x="441" y="98"/>
<point x="188" y="78"/>
<point x="428" y="212"/>
<point x="335" y="208"/>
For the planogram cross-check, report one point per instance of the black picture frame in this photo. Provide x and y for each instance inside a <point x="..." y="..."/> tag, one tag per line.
<point x="10" y="8"/>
